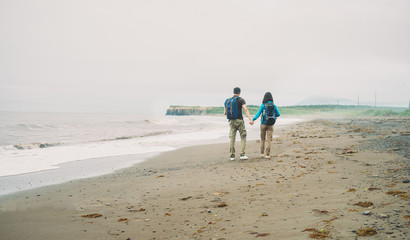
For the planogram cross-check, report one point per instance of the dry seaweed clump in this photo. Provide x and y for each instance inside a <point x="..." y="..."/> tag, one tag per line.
<point x="408" y="218"/>
<point x="364" y="204"/>
<point x="366" y="232"/>
<point x="317" y="234"/>
<point x="395" y="192"/>
<point x="221" y="205"/>
<point x="401" y="194"/>
<point x="122" y="219"/>
<point x="93" y="215"/>
<point x="260" y="234"/>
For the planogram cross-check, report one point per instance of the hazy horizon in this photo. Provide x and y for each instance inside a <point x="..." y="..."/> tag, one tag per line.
<point x="142" y="56"/>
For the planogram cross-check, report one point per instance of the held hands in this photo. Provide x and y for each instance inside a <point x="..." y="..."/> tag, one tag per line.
<point x="251" y="122"/>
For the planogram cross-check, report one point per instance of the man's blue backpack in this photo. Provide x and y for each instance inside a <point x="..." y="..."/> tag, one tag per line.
<point x="231" y="106"/>
<point x="269" y="114"/>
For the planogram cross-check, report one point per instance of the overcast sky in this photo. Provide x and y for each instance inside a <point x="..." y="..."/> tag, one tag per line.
<point x="139" y="56"/>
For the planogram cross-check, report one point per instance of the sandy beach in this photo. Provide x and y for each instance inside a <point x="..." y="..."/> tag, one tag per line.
<point x="327" y="179"/>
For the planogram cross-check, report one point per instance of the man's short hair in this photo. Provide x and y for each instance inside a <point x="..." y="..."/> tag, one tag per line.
<point x="236" y="90"/>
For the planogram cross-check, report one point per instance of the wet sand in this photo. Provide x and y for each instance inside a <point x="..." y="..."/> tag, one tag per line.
<point x="318" y="171"/>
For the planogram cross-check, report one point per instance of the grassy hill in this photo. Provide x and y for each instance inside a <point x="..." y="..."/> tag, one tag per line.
<point x="348" y="110"/>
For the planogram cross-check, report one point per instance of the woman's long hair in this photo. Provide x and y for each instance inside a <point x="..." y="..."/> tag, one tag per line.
<point x="268" y="97"/>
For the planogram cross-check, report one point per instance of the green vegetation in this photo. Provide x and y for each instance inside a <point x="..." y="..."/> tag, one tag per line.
<point x="348" y="110"/>
<point x="215" y="110"/>
<point x="405" y="113"/>
<point x="385" y="112"/>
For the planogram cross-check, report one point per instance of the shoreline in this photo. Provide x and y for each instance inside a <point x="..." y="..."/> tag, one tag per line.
<point x="197" y="193"/>
<point x="82" y="169"/>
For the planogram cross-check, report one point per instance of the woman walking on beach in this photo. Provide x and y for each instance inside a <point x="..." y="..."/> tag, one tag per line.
<point x="269" y="113"/>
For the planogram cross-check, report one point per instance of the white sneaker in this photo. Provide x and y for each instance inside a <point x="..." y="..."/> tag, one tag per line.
<point x="267" y="157"/>
<point x="262" y="155"/>
<point x="232" y="158"/>
<point x="243" y="157"/>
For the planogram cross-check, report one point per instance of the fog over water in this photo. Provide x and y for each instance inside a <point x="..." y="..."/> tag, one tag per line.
<point x="142" y="56"/>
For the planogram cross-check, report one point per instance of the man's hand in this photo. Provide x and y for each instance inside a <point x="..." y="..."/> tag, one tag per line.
<point x="251" y="122"/>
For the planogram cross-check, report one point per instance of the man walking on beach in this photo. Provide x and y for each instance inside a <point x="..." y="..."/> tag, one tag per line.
<point x="233" y="111"/>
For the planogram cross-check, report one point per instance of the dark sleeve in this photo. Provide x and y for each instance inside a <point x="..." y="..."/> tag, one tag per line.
<point x="242" y="101"/>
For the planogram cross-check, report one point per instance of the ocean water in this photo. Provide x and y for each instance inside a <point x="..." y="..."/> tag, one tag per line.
<point x="39" y="149"/>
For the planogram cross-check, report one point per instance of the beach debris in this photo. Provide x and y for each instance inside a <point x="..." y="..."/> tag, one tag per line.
<point x="186" y="198"/>
<point x="317" y="234"/>
<point x="373" y="189"/>
<point x="366" y="232"/>
<point x="364" y="204"/>
<point x="330" y="220"/>
<point x="92" y="215"/>
<point x="362" y="129"/>
<point x="160" y="176"/>
<point x="260" y="234"/>
<point x="221" y="205"/>
<point x="353" y="210"/>
<point x="351" y="190"/>
<point x="391" y="185"/>
<point x="321" y="211"/>
<point x="407" y="217"/>
<point x="383" y="216"/>
<point x="220" y="193"/>
<point x="122" y="219"/>
<point x="137" y="210"/>
<point x="167" y="214"/>
<point x="348" y="151"/>
<point x="199" y="231"/>
<point x="309" y="230"/>
<point x="116" y="233"/>
<point x="366" y="213"/>
<point x="398" y="193"/>
<point x="129" y="207"/>
<point x="264" y="214"/>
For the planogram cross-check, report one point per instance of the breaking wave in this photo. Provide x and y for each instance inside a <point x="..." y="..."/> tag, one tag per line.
<point x="35" y="145"/>
<point x="152" y="134"/>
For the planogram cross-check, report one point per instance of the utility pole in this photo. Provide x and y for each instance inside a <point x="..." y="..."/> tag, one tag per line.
<point x="375" y="98"/>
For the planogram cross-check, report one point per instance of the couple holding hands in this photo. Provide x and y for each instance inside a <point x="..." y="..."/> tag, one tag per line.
<point x="233" y="111"/>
